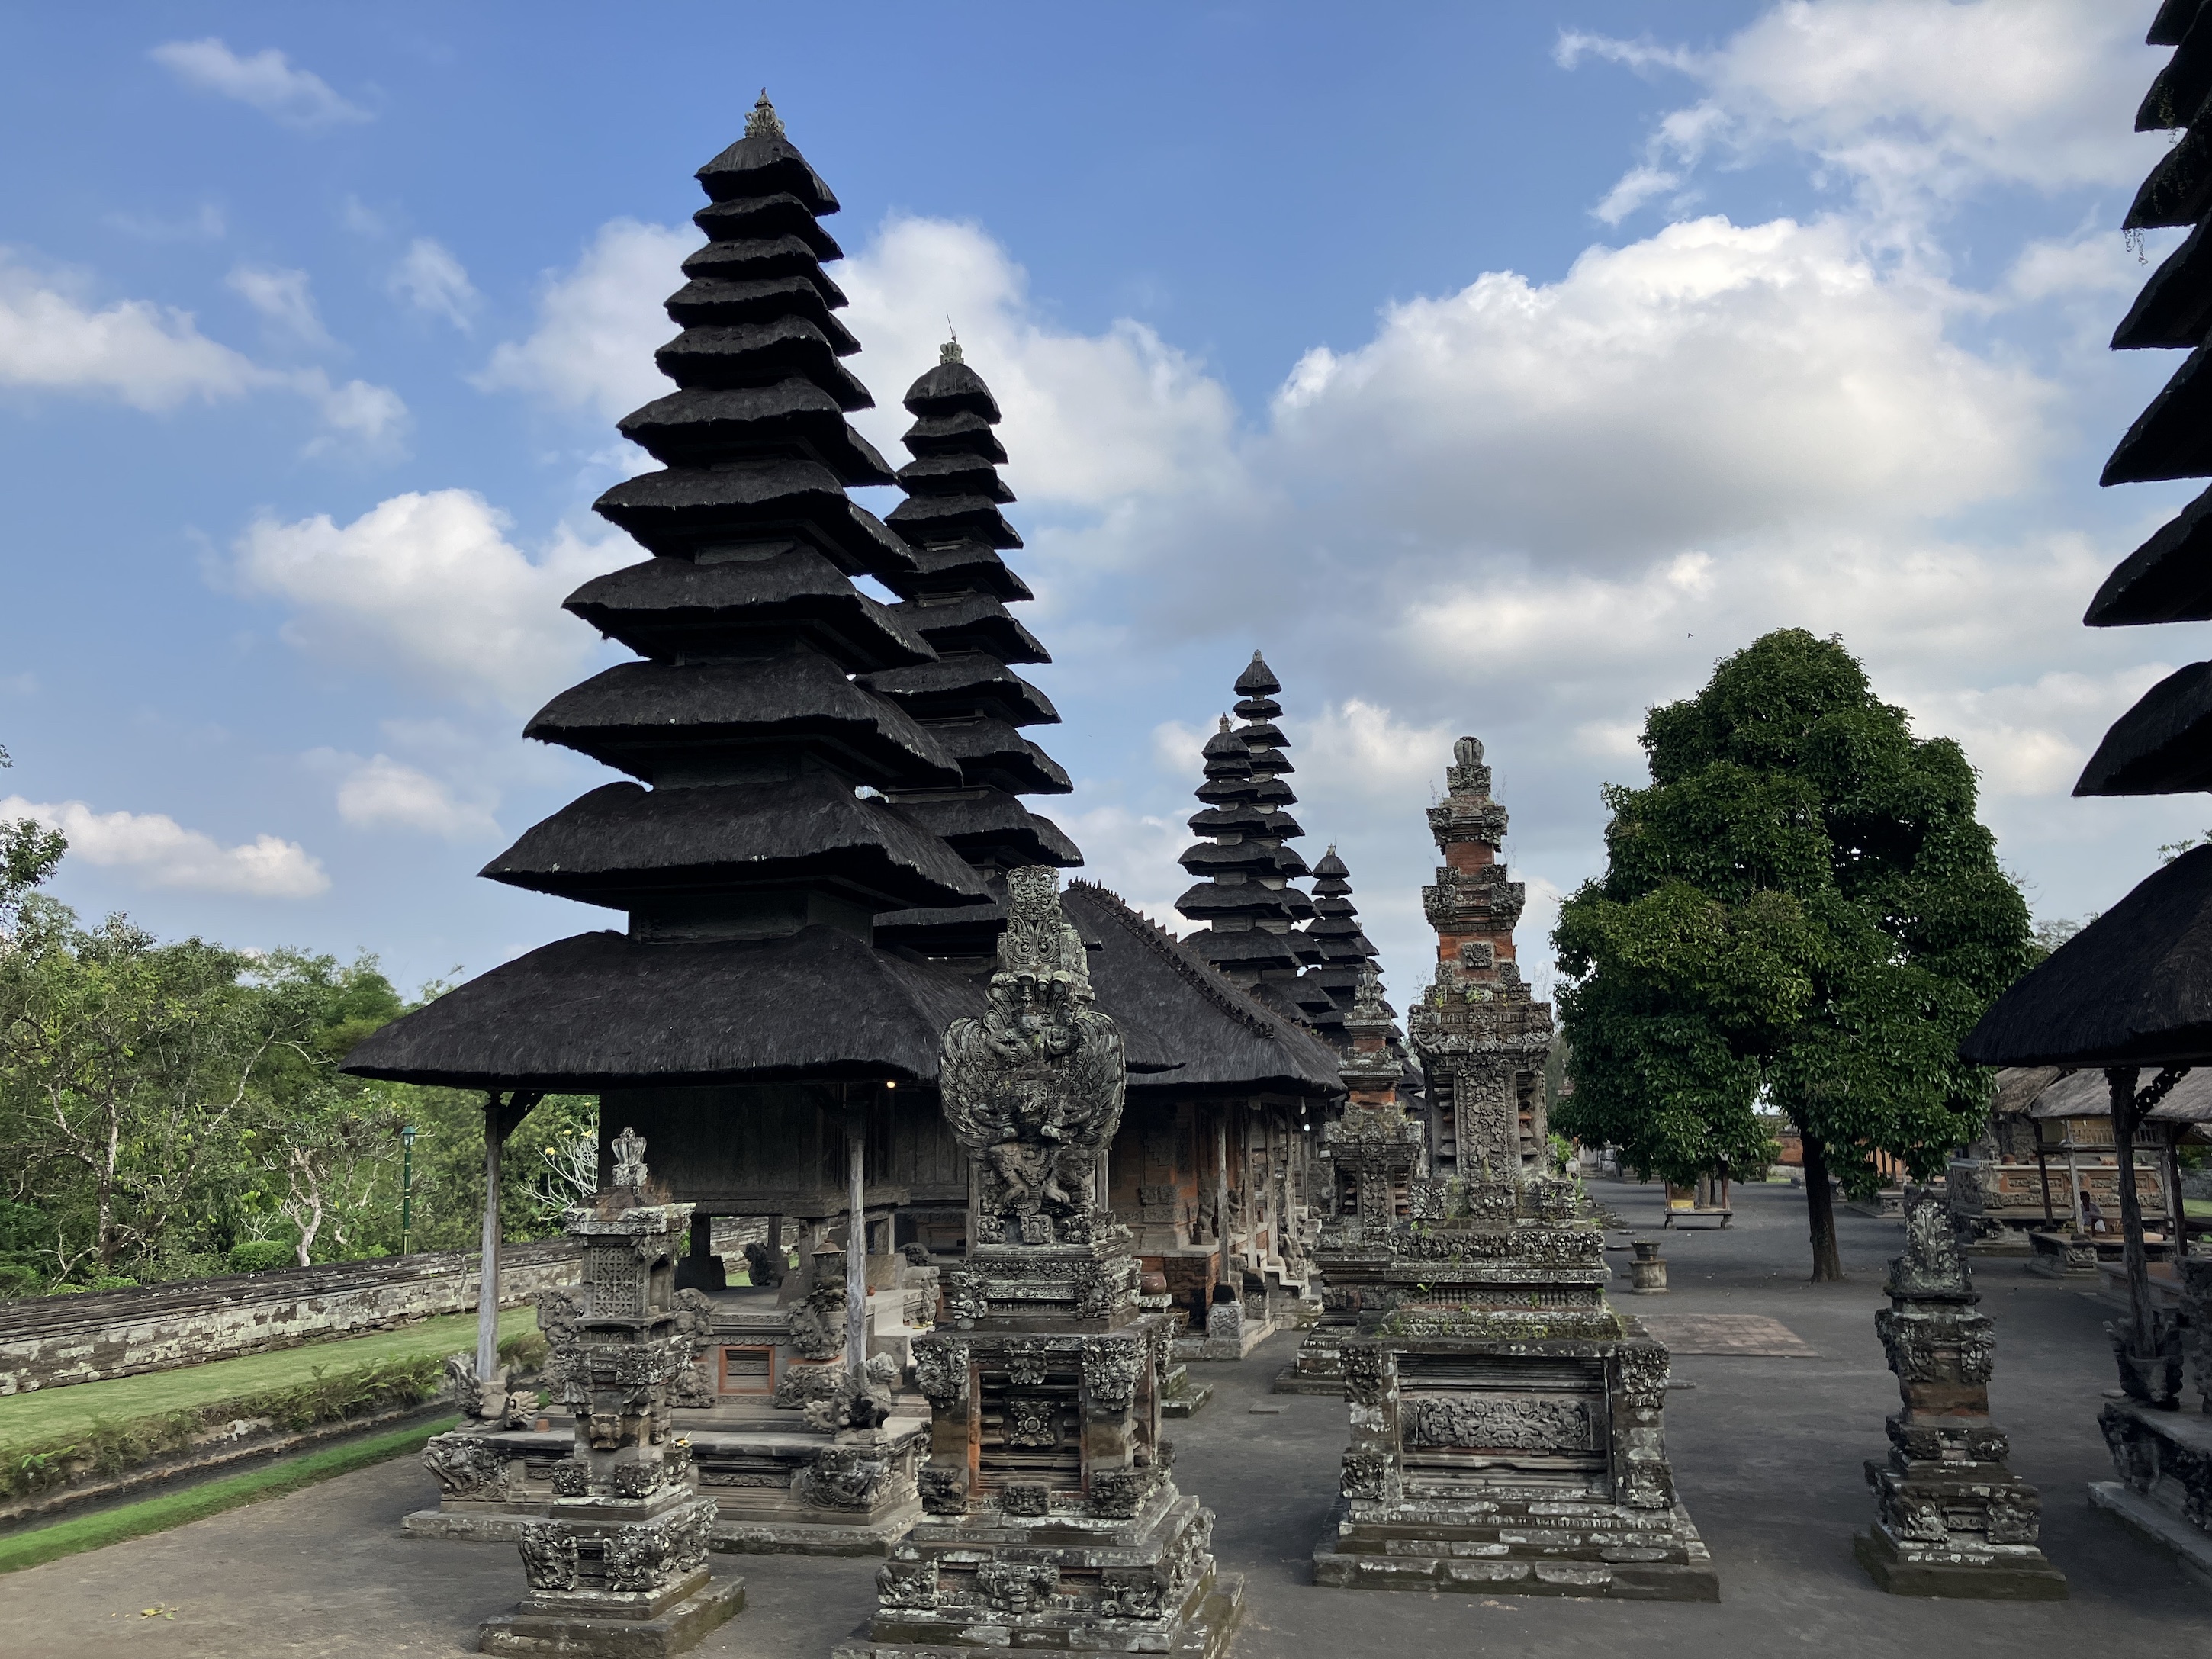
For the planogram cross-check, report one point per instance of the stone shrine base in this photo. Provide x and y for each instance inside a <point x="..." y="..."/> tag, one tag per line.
<point x="704" y="1604"/>
<point x="1580" y="1551"/>
<point x="1906" y="1572"/>
<point x="1205" y="1634"/>
<point x="748" y="1537"/>
<point x="2165" y="1460"/>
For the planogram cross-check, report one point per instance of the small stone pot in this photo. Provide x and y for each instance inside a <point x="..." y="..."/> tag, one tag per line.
<point x="1647" y="1273"/>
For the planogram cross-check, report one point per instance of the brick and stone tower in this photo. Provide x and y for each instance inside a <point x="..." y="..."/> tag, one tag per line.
<point x="1480" y="1038"/>
<point x="1244" y="864"/>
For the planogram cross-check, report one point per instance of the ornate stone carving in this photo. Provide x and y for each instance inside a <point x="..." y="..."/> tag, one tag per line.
<point x="844" y="1478"/>
<point x="1110" y="1369"/>
<point x="1130" y="1594"/>
<point x="1031" y="1424"/>
<point x="944" y="1490"/>
<point x="1499" y="1424"/>
<point x="1364" y="1376"/>
<point x="1016" y="1587"/>
<point x="464" y="1465"/>
<point x="1366" y="1474"/>
<point x="549" y="1555"/>
<point x="1034" y="1088"/>
<point x="818" y="1321"/>
<point x="907" y="1584"/>
<point x="1026" y="1498"/>
<point x="940" y="1370"/>
<point x="1119" y="1494"/>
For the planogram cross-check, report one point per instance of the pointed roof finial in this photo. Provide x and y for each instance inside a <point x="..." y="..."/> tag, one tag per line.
<point x="949" y="351"/>
<point x="764" y="122"/>
<point x="1224" y="722"/>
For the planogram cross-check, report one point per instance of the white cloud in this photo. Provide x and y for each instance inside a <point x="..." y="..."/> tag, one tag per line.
<point x="266" y="81"/>
<point x="161" y="852"/>
<point x="152" y="357"/>
<point x="206" y="225"/>
<point x="1091" y="418"/>
<point x="282" y="299"/>
<point x="1911" y="104"/>
<point x="600" y="323"/>
<point x="431" y="279"/>
<point x="1131" y="852"/>
<point x="383" y="794"/>
<point x="1355" y="750"/>
<point x="428" y="588"/>
<point x="369" y="422"/>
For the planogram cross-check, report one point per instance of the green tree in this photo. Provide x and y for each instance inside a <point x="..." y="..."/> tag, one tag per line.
<point x="1801" y="910"/>
<point x="28" y="853"/>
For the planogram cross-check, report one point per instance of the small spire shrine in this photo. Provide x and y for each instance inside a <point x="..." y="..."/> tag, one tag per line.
<point x="970" y="699"/>
<point x="1481" y="1040"/>
<point x="751" y="844"/>
<point x="1244" y="901"/>
<point x="1340" y="951"/>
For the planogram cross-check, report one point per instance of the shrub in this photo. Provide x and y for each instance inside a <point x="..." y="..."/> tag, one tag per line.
<point x="261" y="1255"/>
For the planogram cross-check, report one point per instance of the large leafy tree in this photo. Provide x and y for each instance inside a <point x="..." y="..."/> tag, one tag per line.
<point x="1800" y="911"/>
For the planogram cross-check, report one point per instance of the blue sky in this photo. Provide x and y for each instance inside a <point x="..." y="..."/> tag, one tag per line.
<point x="1492" y="366"/>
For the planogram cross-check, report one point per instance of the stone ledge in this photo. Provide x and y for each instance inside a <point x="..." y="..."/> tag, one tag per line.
<point x="1205" y="1636"/>
<point x="1187" y="1401"/>
<point x="683" y="1626"/>
<point x="1288" y="1381"/>
<point x="1608" y="1581"/>
<point x="2160" y="1526"/>
<point x="728" y="1537"/>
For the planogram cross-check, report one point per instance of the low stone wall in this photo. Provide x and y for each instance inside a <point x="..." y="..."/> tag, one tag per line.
<point x="49" y="1341"/>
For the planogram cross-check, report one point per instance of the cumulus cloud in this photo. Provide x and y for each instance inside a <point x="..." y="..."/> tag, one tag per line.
<point x="431" y="279"/>
<point x="600" y="323"/>
<point x="383" y="794"/>
<point x="267" y="82"/>
<point x="155" y="357"/>
<point x="161" y="852"/>
<point x="1910" y="104"/>
<point x="283" y="300"/>
<point x="428" y="588"/>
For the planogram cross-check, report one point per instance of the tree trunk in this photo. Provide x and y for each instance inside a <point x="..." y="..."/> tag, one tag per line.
<point x="1821" y="1214"/>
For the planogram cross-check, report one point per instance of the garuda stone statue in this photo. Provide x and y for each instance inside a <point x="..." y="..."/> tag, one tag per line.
<point x="1034" y="1088"/>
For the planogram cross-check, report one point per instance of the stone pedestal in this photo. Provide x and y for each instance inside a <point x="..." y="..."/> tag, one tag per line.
<point x="1507" y="1431"/>
<point x="2163" y="1457"/>
<point x="1951" y="1519"/>
<point x="1050" y="1520"/>
<point x="618" y="1565"/>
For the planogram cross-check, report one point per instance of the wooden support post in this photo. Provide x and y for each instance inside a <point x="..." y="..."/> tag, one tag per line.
<point x="502" y="1119"/>
<point x="856" y="1237"/>
<point x="2176" y="1214"/>
<point x="1221" y="1195"/>
<point x="2122" y="1079"/>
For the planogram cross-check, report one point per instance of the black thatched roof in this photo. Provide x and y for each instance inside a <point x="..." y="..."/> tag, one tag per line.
<point x="953" y="567"/>
<point x="1253" y="948"/>
<point x="645" y="717"/>
<point x="751" y="218"/>
<point x="600" y="1011"/>
<point x="991" y="828"/>
<point x="964" y="433"/>
<point x="953" y="518"/>
<point x="953" y="388"/>
<point x="2162" y="746"/>
<point x="709" y="300"/>
<point x="2171" y="439"/>
<point x="1258" y="680"/>
<point x="955" y="473"/>
<point x="2169" y="578"/>
<point x="684" y="512"/>
<point x="2171" y="23"/>
<point x="2179" y="191"/>
<point x="764" y="163"/>
<point x="667" y="608"/>
<point x="2133" y="988"/>
<point x="621" y="844"/>
<point x="2176" y="304"/>
<point x="1187" y="1029"/>
<point x="965" y="683"/>
<point x="993" y="752"/>
<point x="973" y="621"/>
<point x="698" y="423"/>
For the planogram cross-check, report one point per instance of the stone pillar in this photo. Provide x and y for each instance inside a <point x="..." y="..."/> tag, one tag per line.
<point x="1050" y="1520"/>
<point x="1951" y="1519"/>
<point x="618" y="1567"/>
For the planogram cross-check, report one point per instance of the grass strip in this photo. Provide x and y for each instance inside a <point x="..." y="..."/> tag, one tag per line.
<point x="153" y="1515"/>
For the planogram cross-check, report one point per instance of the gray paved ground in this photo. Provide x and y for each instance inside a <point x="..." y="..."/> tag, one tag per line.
<point x="1767" y="1452"/>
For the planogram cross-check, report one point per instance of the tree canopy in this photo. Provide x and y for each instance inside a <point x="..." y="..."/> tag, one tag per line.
<point x="1800" y="912"/>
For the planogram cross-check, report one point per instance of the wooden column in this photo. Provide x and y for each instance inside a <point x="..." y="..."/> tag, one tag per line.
<point x="502" y="1119"/>
<point x="856" y="1235"/>
<point x="2122" y="1079"/>
<point x="1221" y="1195"/>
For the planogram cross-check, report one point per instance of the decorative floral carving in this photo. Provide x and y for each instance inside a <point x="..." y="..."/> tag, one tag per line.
<point x="1016" y="1587"/>
<point x="1030" y="1422"/>
<point x="549" y="1555"/>
<point x="1109" y="1370"/>
<point x="940" y="1370"/>
<point x="844" y="1478"/>
<point x="464" y="1464"/>
<point x="944" y="1490"/>
<point x="572" y="1477"/>
<point x="907" y="1584"/>
<point x="1130" y="1594"/>
<point x="1366" y="1474"/>
<point x="1026" y="1497"/>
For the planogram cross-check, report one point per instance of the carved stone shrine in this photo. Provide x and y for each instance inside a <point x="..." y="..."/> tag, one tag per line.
<point x="1374" y="1153"/>
<point x="1951" y="1519"/>
<point x="1049" y="1517"/>
<point x="1507" y="1424"/>
<point x="618" y="1566"/>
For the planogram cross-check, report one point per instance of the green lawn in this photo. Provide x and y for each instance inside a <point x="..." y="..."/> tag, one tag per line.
<point x="2197" y="1208"/>
<point x="48" y="1414"/>
<point x="90" y="1532"/>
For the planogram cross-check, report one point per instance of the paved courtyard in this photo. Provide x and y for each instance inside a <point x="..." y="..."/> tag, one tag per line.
<point x="1767" y="1447"/>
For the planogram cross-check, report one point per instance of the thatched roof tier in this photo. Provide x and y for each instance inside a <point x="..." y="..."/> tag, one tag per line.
<point x="2177" y="95"/>
<point x="953" y="518"/>
<point x="754" y="259"/>
<point x="958" y="567"/>
<point x="2132" y="988"/>
<point x="1244" y="818"/>
<point x="621" y="845"/>
<point x="2089" y="1094"/>
<point x="652" y="720"/>
<point x="955" y="474"/>
<point x="667" y="608"/>
<point x="2162" y="746"/>
<point x="2167" y="579"/>
<point x="965" y="683"/>
<point x="2172" y="438"/>
<point x="761" y="354"/>
<point x="702" y="424"/>
<point x="601" y="1011"/>
<point x="1258" y="681"/>
<point x="972" y="622"/>
<point x="953" y="388"/>
<point x="765" y="163"/>
<point x="1251" y="949"/>
<point x="991" y="828"/>
<point x="2172" y="24"/>
<point x="961" y="435"/>
<point x="751" y="218"/>
<point x="1253" y="899"/>
<point x="992" y="752"/>
<point x="2179" y="191"/>
<point x="1187" y="1029"/>
<point x="687" y="511"/>
<point x="706" y="301"/>
<point x="1258" y="858"/>
<point x="2174" y="309"/>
